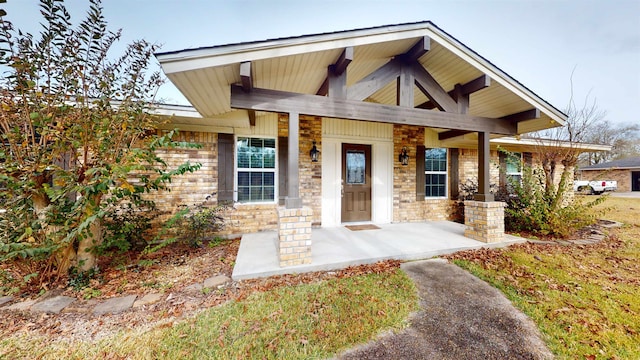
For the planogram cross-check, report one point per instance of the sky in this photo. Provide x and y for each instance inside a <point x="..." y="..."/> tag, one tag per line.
<point x="556" y="48"/>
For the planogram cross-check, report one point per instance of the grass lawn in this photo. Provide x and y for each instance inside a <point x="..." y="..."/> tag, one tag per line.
<point x="299" y="322"/>
<point x="584" y="299"/>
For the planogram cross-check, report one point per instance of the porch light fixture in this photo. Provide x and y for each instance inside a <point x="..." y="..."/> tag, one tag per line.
<point x="404" y="157"/>
<point x="314" y="152"/>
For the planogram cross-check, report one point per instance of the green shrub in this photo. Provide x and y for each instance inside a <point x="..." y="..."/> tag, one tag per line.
<point x="127" y="227"/>
<point x="535" y="208"/>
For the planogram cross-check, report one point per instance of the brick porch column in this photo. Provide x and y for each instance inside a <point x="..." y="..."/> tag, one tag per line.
<point x="294" y="236"/>
<point x="484" y="220"/>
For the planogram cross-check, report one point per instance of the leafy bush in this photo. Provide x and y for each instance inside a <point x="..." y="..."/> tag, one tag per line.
<point x="192" y="225"/>
<point x="127" y="227"/>
<point x="533" y="207"/>
<point x="201" y="223"/>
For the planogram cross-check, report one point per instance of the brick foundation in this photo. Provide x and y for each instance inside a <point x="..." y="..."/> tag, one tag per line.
<point x="484" y="220"/>
<point x="294" y="236"/>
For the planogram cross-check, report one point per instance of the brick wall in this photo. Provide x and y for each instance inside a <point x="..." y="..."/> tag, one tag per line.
<point x="190" y="188"/>
<point x="623" y="177"/>
<point x="484" y="220"/>
<point x="405" y="206"/>
<point x="468" y="168"/>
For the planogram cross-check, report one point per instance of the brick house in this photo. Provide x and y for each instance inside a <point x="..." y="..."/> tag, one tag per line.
<point x="375" y="125"/>
<point x="625" y="171"/>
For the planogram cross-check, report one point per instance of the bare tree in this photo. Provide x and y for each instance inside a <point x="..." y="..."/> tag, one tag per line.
<point x="625" y="139"/>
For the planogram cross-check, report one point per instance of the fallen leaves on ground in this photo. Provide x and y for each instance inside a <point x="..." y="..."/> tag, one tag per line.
<point x="169" y="271"/>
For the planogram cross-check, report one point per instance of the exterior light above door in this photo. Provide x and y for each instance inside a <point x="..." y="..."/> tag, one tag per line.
<point x="314" y="152"/>
<point x="404" y="156"/>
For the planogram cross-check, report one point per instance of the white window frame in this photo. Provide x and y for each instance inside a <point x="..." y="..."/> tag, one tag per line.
<point x="432" y="172"/>
<point x="237" y="170"/>
<point x="513" y="156"/>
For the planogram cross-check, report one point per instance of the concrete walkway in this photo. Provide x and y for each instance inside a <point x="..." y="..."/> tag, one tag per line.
<point x="461" y="317"/>
<point x="339" y="247"/>
<point x="632" y="194"/>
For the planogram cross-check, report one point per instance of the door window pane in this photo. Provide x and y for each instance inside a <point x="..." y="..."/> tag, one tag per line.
<point x="355" y="167"/>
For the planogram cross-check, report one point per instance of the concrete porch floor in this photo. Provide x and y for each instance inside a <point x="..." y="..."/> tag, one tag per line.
<point x="338" y="247"/>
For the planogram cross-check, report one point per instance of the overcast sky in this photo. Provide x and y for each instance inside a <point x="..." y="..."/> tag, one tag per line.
<point x="539" y="43"/>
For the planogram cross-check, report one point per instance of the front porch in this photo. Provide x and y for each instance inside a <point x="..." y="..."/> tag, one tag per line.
<point x="338" y="247"/>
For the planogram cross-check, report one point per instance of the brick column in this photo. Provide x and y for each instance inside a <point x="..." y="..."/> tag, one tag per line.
<point x="484" y="220"/>
<point x="294" y="236"/>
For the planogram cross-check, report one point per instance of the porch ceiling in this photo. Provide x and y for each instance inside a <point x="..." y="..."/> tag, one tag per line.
<point x="300" y="65"/>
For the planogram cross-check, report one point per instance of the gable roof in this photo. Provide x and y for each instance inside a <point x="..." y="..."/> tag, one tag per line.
<point x="628" y="163"/>
<point x="299" y="64"/>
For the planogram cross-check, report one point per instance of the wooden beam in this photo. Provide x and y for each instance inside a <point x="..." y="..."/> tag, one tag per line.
<point x="522" y="116"/>
<point x="338" y="68"/>
<point x="461" y="99"/>
<point x="293" y="201"/>
<point x="484" y="175"/>
<point x="452" y="133"/>
<point x="513" y="118"/>
<point x="245" y="76"/>
<point x="252" y="117"/>
<point x="324" y="88"/>
<point x="404" y="89"/>
<point x="430" y="87"/>
<point x="280" y="101"/>
<point x="337" y="83"/>
<point x="468" y="88"/>
<point x="476" y="84"/>
<point x="375" y="81"/>
<point x="344" y="60"/>
<point x="420" y="48"/>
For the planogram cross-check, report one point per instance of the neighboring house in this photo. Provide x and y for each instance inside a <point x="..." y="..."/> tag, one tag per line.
<point x="375" y="125"/>
<point x="626" y="172"/>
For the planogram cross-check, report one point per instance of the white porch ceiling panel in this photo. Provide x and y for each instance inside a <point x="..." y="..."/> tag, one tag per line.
<point x="300" y="65"/>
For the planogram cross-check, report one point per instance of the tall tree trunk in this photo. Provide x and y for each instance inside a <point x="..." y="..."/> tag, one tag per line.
<point x="86" y="258"/>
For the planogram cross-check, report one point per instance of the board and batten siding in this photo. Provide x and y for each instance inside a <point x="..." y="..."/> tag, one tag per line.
<point x="335" y="132"/>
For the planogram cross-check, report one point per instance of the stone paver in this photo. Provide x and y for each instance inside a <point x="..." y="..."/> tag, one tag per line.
<point x="148" y="299"/>
<point x="197" y="287"/>
<point x="115" y="305"/>
<point x="5" y="299"/>
<point x="82" y="307"/>
<point x="53" y="305"/>
<point x="22" y="306"/>
<point x="216" y="281"/>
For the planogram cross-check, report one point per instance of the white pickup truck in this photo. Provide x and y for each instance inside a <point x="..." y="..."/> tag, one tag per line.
<point x="594" y="187"/>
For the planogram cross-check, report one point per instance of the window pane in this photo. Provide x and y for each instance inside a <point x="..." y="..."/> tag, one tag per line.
<point x="435" y="185"/>
<point x="435" y="159"/>
<point x="256" y="179"/>
<point x="514" y="164"/>
<point x="256" y="154"/>
<point x="243" y="194"/>
<point x="355" y="167"/>
<point x="435" y="172"/>
<point x="243" y="179"/>
<point x="269" y="179"/>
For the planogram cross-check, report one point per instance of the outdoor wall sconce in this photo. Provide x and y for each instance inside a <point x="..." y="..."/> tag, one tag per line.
<point x="404" y="157"/>
<point x="314" y="152"/>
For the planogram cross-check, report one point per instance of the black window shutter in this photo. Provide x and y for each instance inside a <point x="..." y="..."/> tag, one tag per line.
<point x="226" y="158"/>
<point x="283" y="166"/>
<point x="527" y="157"/>
<point x="502" y="179"/>
<point x="454" y="173"/>
<point x="420" y="181"/>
